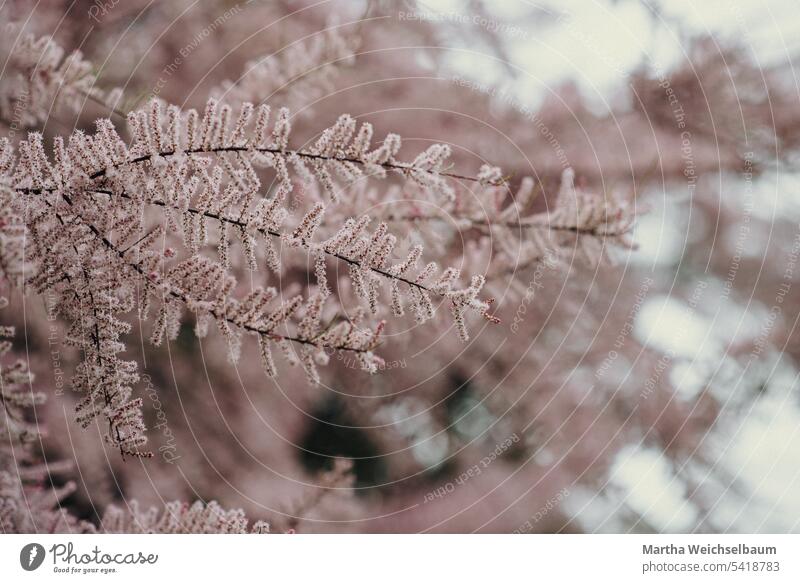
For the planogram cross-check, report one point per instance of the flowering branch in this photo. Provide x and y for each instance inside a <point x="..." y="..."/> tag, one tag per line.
<point x="198" y="169"/>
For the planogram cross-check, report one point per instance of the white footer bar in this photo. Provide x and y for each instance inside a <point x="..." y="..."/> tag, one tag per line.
<point x="406" y="558"/>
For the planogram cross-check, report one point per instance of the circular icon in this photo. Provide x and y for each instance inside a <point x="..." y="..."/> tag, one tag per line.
<point x="31" y="556"/>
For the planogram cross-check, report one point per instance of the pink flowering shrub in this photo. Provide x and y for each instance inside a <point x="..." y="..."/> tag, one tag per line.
<point x="262" y="297"/>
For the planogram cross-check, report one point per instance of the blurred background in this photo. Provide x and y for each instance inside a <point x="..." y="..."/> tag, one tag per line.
<point x="655" y="394"/>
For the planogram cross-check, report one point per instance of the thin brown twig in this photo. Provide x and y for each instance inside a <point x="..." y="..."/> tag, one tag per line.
<point x="269" y="232"/>
<point x="186" y="300"/>
<point x="402" y="167"/>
